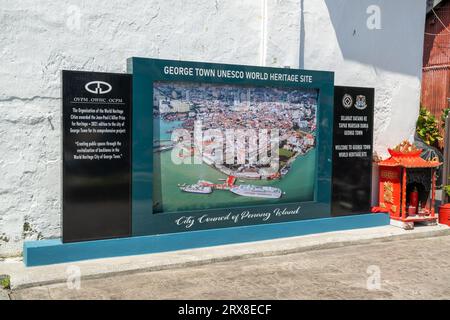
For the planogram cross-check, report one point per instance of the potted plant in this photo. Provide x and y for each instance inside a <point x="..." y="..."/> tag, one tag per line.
<point x="427" y="127"/>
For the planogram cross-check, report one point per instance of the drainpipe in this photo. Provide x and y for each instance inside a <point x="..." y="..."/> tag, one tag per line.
<point x="263" y="42"/>
<point x="445" y="169"/>
<point x="301" y="53"/>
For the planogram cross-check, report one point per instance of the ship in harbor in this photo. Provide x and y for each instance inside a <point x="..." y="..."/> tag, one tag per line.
<point x="195" y="188"/>
<point x="248" y="190"/>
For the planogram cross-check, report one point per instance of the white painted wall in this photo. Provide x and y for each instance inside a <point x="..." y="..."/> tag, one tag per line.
<point x="39" y="38"/>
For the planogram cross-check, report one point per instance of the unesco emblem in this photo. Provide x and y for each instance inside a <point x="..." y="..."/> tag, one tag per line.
<point x="360" y="102"/>
<point x="347" y="101"/>
<point x="98" y="87"/>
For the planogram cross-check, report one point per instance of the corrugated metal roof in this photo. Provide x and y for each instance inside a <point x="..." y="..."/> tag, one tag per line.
<point x="436" y="60"/>
<point x="437" y="37"/>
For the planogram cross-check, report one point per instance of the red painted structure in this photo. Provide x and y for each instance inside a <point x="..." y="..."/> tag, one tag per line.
<point x="436" y="60"/>
<point x="228" y="183"/>
<point x="444" y="214"/>
<point x="394" y="196"/>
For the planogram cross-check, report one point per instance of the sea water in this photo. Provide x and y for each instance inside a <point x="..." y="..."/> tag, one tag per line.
<point x="297" y="184"/>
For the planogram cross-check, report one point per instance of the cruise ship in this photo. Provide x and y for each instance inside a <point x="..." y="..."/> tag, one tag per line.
<point x="248" y="190"/>
<point x="195" y="188"/>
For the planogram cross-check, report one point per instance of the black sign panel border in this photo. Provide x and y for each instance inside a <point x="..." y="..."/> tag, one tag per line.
<point x="96" y="193"/>
<point x="352" y="175"/>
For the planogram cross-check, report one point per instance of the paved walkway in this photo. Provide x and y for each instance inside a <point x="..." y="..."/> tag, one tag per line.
<point x="407" y="269"/>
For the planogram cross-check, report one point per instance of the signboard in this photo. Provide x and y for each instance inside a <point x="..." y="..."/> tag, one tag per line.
<point x="352" y="150"/>
<point x="96" y="155"/>
<point x="211" y="146"/>
<point x="218" y="145"/>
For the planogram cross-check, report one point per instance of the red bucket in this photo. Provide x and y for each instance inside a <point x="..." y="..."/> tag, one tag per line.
<point x="444" y="214"/>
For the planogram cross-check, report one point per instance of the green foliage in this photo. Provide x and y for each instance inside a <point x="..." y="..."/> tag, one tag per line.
<point x="427" y="127"/>
<point x="444" y="115"/>
<point x="5" y="282"/>
<point x="447" y="189"/>
<point x="285" y="153"/>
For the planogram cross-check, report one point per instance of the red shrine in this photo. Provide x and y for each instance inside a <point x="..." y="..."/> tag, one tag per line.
<point x="407" y="186"/>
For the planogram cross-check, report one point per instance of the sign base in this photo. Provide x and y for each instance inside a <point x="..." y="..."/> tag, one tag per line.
<point x="45" y="252"/>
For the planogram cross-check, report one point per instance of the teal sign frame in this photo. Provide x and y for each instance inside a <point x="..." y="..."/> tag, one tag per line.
<point x="146" y="71"/>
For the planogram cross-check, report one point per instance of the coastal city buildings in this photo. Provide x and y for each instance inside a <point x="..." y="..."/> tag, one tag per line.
<point x="248" y="111"/>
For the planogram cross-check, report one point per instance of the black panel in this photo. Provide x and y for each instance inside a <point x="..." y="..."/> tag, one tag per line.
<point x="96" y="155"/>
<point x="352" y="150"/>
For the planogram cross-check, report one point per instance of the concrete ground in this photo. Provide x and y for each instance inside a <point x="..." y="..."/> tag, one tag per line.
<point x="4" y="295"/>
<point x="402" y="269"/>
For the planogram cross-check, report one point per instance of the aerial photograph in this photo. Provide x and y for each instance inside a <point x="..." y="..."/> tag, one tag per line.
<point x="208" y="140"/>
<point x="225" y="159"/>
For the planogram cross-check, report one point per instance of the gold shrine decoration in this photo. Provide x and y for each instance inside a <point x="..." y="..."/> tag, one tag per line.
<point x="388" y="194"/>
<point x="389" y="175"/>
<point x="405" y="147"/>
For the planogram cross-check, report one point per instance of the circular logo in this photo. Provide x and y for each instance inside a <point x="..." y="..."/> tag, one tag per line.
<point x="98" y="87"/>
<point x="360" y="102"/>
<point x="347" y="101"/>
